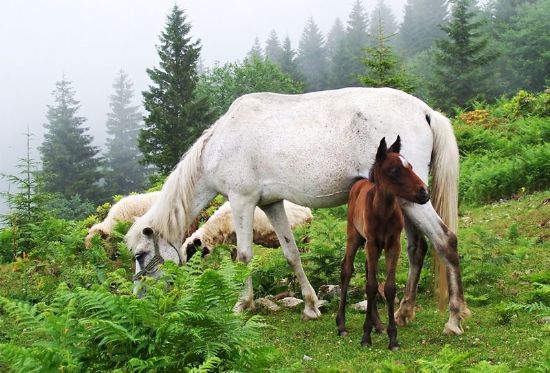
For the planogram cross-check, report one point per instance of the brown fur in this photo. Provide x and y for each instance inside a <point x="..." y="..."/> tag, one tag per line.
<point x="374" y="217"/>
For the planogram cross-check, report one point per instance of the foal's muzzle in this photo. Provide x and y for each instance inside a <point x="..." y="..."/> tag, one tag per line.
<point x="422" y="196"/>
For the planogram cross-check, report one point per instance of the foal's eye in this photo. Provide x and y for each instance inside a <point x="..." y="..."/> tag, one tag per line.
<point x="393" y="171"/>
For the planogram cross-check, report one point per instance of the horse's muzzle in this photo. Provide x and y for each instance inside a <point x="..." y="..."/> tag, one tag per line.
<point x="422" y="196"/>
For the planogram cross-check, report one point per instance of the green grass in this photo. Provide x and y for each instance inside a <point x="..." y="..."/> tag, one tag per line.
<point x="504" y="251"/>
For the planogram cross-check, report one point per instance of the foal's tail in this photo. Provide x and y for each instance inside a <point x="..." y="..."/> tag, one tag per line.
<point x="444" y="189"/>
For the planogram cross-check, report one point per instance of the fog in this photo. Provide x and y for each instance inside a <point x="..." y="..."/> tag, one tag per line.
<point x="90" y="41"/>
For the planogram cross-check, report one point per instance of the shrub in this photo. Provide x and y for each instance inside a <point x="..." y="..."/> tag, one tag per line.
<point x="184" y="322"/>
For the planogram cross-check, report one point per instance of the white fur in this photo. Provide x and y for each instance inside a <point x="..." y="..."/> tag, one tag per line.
<point x="307" y="149"/>
<point x="128" y="208"/>
<point x="219" y="228"/>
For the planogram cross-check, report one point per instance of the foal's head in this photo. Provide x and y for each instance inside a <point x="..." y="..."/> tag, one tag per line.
<point x="393" y="173"/>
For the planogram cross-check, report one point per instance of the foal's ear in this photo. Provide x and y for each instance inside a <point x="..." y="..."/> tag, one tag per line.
<point x="396" y="146"/>
<point x="382" y="150"/>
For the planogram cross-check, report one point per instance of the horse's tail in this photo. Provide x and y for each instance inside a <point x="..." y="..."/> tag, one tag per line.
<point x="444" y="189"/>
<point x="171" y="214"/>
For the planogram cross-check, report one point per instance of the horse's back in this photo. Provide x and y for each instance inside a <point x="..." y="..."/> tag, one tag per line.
<point x="309" y="148"/>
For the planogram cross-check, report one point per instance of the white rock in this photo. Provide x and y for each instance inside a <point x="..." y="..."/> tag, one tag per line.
<point x="307" y="358"/>
<point x="267" y="304"/>
<point x="329" y="292"/>
<point x="360" y="307"/>
<point x="290" y="302"/>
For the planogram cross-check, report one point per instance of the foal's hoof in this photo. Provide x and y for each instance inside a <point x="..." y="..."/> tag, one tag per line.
<point x="466" y="313"/>
<point x="311" y="314"/>
<point x="342" y="333"/>
<point x="366" y="344"/>
<point x="453" y="329"/>
<point x="394" y="348"/>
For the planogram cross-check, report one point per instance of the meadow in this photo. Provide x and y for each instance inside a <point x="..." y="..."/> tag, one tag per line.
<point x="65" y="308"/>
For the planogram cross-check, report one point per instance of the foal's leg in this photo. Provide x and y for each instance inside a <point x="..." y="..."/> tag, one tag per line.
<point x="372" y="291"/>
<point x="353" y="242"/>
<point x="393" y="249"/>
<point x="429" y="223"/>
<point x="242" y="209"/>
<point x="277" y="216"/>
<point x="416" y="249"/>
<point x="374" y="314"/>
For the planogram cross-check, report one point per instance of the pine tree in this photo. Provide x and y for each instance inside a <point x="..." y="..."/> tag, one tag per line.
<point x="273" y="48"/>
<point x="256" y="51"/>
<point x="176" y="116"/>
<point x="69" y="161"/>
<point x="26" y="205"/>
<point x="356" y="40"/>
<point x="288" y="61"/>
<point x="383" y="68"/>
<point x="382" y="15"/>
<point x="311" y="57"/>
<point x="336" y="55"/>
<point x="124" y="173"/>
<point x="421" y="25"/>
<point x="458" y="75"/>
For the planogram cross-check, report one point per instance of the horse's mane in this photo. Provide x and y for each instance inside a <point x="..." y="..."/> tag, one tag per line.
<point x="170" y="214"/>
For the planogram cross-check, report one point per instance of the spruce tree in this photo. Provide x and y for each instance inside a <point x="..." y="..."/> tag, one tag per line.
<point x="311" y="57"/>
<point x="336" y="55"/>
<point x="123" y="172"/>
<point x="273" y="48"/>
<point x="458" y="75"/>
<point x="256" y="51"/>
<point x="383" y="68"/>
<point x="27" y="205"/>
<point x="69" y="161"/>
<point x="421" y="25"/>
<point x="382" y="15"/>
<point x="288" y="61"/>
<point x="356" y="40"/>
<point x="176" y="116"/>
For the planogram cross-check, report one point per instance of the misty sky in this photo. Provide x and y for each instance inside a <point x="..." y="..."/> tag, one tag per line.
<point x="90" y="40"/>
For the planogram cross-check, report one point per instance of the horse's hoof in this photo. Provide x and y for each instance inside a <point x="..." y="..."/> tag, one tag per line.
<point x="342" y="333"/>
<point x="311" y="314"/>
<point x="366" y="344"/>
<point x="453" y="329"/>
<point x="403" y="318"/>
<point x="240" y="307"/>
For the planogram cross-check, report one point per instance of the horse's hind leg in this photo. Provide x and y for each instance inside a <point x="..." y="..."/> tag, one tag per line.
<point x="429" y="223"/>
<point x="353" y="242"/>
<point x="416" y="249"/>
<point x="392" y="257"/>
<point x="277" y="216"/>
<point x="242" y="209"/>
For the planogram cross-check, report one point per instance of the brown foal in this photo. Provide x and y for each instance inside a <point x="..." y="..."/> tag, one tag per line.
<point x="374" y="217"/>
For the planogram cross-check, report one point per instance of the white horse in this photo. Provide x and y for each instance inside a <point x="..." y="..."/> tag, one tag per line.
<point x="309" y="149"/>
<point x="219" y="229"/>
<point x="126" y="209"/>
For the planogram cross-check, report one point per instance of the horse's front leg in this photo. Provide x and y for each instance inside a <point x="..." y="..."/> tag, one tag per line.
<point x="353" y="242"/>
<point x="372" y="291"/>
<point x="392" y="256"/>
<point x="416" y="250"/>
<point x="429" y="223"/>
<point x="278" y="219"/>
<point x="242" y="210"/>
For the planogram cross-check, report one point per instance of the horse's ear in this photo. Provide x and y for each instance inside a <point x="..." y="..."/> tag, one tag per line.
<point x="148" y="231"/>
<point x="396" y="146"/>
<point x="382" y="149"/>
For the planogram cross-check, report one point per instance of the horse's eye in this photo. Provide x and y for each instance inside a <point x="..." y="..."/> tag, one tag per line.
<point x="139" y="256"/>
<point x="393" y="171"/>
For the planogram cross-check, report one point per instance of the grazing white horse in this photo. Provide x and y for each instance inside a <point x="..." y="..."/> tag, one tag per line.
<point x="126" y="209"/>
<point x="219" y="229"/>
<point x="309" y="149"/>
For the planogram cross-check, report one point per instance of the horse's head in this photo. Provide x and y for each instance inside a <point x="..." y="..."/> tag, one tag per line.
<point x="192" y="245"/>
<point x="150" y="250"/>
<point x="392" y="172"/>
